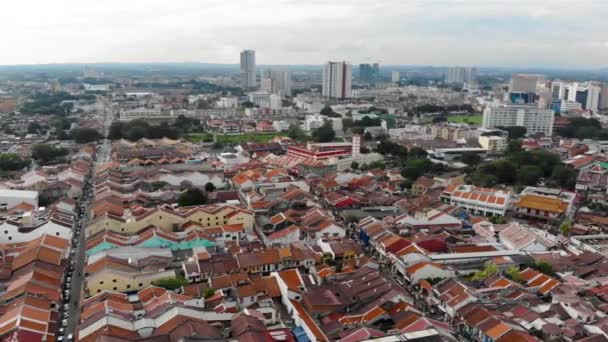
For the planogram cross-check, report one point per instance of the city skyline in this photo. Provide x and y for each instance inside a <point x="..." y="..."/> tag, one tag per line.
<point x="404" y="33"/>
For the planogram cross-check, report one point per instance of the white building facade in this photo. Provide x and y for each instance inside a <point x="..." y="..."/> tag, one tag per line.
<point x="337" y="80"/>
<point x="534" y="119"/>
<point x="248" y="77"/>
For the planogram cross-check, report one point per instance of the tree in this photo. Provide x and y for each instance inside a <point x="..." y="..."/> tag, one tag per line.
<point x="208" y="292"/>
<point x="565" y="227"/>
<point x="415" y="168"/>
<point x="417" y="152"/>
<point x="325" y="133"/>
<point x="513" y="273"/>
<point x="295" y="132"/>
<point x="498" y="219"/>
<point x="544" y="267"/>
<point x="171" y="283"/>
<point x="564" y="177"/>
<point x="209" y="187"/>
<point x="439" y="119"/>
<point x="192" y="197"/>
<point x="327" y="111"/>
<point x="248" y="104"/>
<point x="489" y="270"/>
<point x="34" y="127"/>
<point x="45" y="153"/>
<point x="515" y="132"/>
<point x="471" y="158"/>
<point x="354" y="165"/>
<point x="12" y="162"/>
<point x="367" y="136"/>
<point x="529" y="175"/>
<point x="85" y="135"/>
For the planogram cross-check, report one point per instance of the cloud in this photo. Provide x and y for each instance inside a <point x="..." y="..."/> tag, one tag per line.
<point x="466" y="32"/>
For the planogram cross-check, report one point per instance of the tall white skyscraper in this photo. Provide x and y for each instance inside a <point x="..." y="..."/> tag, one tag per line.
<point x="248" y="77"/>
<point x="396" y="76"/>
<point x="277" y="81"/>
<point x="337" y="80"/>
<point x="460" y="74"/>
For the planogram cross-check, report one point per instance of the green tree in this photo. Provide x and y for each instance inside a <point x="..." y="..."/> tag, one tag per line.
<point x="565" y="227"/>
<point x="325" y="133"/>
<point x="45" y="153"/>
<point x="86" y="135"/>
<point x="209" y="187"/>
<point x="171" y="283"/>
<point x="513" y="273"/>
<point x="192" y="197"/>
<point x="544" y="267"/>
<point x="208" y="292"/>
<point x="564" y="177"/>
<point x="471" y="158"/>
<point x="295" y="132"/>
<point x="529" y="175"/>
<point x="417" y="152"/>
<point x="498" y="219"/>
<point x="12" y="162"/>
<point x="415" y="168"/>
<point x="354" y="165"/>
<point x="34" y="127"/>
<point x="327" y="111"/>
<point x="489" y="270"/>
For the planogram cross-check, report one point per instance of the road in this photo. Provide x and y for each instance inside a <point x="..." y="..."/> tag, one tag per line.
<point x="74" y="280"/>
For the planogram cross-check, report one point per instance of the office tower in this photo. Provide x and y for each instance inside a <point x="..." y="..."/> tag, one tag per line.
<point x="337" y="80"/>
<point x="588" y="94"/>
<point x="396" y="76"/>
<point x="534" y="119"/>
<point x="524" y="83"/>
<point x="460" y="75"/>
<point x="367" y="73"/>
<point x="375" y="72"/>
<point x="604" y="97"/>
<point x="248" y="77"/>
<point x="277" y="81"/>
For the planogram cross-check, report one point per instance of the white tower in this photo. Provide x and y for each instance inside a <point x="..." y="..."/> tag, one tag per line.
<point x="356" y="145"/>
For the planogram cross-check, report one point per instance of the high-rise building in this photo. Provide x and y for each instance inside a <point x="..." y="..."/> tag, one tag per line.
<point x="396" y="76"/>
<point x="524" y="83"/>
<point x="248" y="77"/>
<point x="460" y="75"/>
<point x="369" y="73"/>
<point x="277" y="81"/>
<point x="534" y="119"/>
<point x="604" y="96"/>
<point x="589" y="95"/>
<point x="337" y="80"/>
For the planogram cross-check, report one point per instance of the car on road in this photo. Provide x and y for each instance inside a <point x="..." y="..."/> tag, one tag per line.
<point x="70" y="337"/>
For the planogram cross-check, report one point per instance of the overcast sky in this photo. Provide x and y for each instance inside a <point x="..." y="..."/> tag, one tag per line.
<point x="476" y="32"/>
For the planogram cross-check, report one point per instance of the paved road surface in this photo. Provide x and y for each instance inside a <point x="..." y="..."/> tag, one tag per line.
<point x="75" y="285"/>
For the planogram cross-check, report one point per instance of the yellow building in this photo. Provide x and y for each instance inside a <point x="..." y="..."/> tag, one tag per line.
<point x="109" y="279"/>
<point x="171" y="219"/>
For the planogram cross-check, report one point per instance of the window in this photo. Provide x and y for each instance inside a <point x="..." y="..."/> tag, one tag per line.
<point x="160" y="217"/>
<point x="101" y="282"/>
<point x="128" y="286"/>
<point x="6" y="232"/>
<point x="113" y="280"/>
<point x="10" y="238"/>
<point x="98" y="290"/>
<point x="57" y="233"/>
<point x="115" y="288"/>
<point x="141" y="284"/>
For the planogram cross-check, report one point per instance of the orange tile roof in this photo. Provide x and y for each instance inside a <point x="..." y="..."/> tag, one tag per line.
<point x="497" y="331"/>
<point x="292" y="279"/>
<point x="553" y="205"/>
<point x="314" y="328"/>
<point x="416" y="267"/>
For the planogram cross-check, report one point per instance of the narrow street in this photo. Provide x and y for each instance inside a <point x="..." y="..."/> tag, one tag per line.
<point x="73" y="284"/>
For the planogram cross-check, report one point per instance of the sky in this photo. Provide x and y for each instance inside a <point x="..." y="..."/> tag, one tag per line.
<point x="535" y="33"/>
